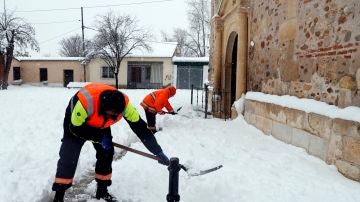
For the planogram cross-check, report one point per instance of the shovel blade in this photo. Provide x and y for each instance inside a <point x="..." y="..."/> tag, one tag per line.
<point x="203" y="172"/>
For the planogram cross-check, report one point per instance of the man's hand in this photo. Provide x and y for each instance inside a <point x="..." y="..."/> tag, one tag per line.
<point x="163" y="159"/>
<point x="106" y="143"/>
<point x="161" y="112"/>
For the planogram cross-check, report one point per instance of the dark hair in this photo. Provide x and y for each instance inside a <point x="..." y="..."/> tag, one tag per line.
<point x="112" y="100"/>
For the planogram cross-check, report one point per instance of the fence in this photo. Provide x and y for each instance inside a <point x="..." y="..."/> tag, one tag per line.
<point x="218" y="105"/>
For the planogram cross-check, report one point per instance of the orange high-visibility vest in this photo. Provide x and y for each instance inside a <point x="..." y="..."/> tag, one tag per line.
<point x="155" y="101"/>
<point x="89" y="96"/>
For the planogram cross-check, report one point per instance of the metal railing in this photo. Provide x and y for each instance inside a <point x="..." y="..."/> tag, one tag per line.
<point x="211" y="101"/>
<point x="220" y="101"/>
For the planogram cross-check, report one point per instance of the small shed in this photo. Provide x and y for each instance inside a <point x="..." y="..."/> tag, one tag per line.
<point x="189" y="71"/>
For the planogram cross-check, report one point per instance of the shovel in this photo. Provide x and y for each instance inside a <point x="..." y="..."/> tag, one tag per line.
<point x="201" y="172"/>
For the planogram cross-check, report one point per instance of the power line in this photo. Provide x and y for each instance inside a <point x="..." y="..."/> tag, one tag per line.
<point x="60" y="35"/>
<point x="46" y="10"/>
<point x="76" y="8"/>
<point x="54" y="22"/>
<point x="162" y="42"/>
<point x="127" y="4"/>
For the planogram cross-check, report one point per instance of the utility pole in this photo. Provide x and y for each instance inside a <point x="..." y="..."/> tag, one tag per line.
<point x="83" y="41"/>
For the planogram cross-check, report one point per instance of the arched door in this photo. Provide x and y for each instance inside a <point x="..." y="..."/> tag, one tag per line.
<point x="231" y="64"/>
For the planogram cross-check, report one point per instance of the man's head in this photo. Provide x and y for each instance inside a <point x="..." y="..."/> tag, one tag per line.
<point x="172" y="90"/>
<point x="112" y="103"/>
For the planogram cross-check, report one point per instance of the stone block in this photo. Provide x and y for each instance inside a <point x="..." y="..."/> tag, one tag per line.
<point x="288" y="30"/>
<point x="247" y="116"/>
<point x="345" y="97"/>
<point x="300" y="138"/>
<point x="264" y="124"/>
<point x="318" y="125"/>
<point x="295" y="118"/>
<point x="249" y="106"/>
<point x="348" y="82"/>
<point x="351" y="149"/>
<point x="282" y="132"/>
<point x="276" y="113"/>
<point x="358" y="77"/>
<point x="318" y="147"/>
<point x="250" y="118"/>
<point x="335" y="149"/>
<point x="346" y="128"/>
<point x="261" y="109"/>
<point x="348" y="170"/>
<point x="291" y="11"/>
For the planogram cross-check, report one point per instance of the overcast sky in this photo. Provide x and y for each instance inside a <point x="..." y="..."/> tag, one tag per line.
<point x="52" y="26"/>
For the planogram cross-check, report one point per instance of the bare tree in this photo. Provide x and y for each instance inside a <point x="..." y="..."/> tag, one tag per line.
<point x="165" y="36"/>
<point x="199" y="17"/>
<point x="14" y="33"/>
<point x="73" y="47"/>
<point x="117" y="37"/>
<point x="181" y="37"/>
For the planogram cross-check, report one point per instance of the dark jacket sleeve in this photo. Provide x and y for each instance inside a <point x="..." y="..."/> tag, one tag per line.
<point x="145" y="135"/>
<point x="89" y="133"/>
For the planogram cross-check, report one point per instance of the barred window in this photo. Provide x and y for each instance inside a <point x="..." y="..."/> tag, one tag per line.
<point x="107" y="72"/>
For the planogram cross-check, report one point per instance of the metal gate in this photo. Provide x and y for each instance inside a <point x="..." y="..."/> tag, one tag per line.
<point x="189" y="75"/>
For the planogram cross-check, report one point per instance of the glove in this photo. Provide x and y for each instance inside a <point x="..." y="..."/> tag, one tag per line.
<point x="172" y="113"/>
<point x="161" y="112"/>
<point x="163" y="159"/>
<point x="106" y="143"/>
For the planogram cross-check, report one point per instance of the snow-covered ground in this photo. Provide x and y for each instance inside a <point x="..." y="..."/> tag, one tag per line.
<point x="256" y="167"/>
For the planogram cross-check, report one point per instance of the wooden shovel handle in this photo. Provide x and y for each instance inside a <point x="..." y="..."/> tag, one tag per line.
<point x="136" y="151"/>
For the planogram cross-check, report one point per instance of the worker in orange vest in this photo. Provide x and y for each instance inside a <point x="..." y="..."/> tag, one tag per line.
<point x="154" y="103"/>
<point x="89" y="115"/>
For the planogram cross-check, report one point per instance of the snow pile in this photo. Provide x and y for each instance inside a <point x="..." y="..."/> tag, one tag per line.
<point x="351" y="113"/>
<point x="77" y="84"/>
<point x="239" y="105"/>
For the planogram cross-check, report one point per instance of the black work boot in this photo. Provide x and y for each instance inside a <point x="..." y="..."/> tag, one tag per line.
<point x="102" y="193"/>
<point x="59" y="196"/>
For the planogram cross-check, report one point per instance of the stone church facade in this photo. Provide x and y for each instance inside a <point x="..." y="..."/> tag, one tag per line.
<point x="304" y="48"/>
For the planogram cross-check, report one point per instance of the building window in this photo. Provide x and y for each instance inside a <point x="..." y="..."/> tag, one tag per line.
<point x="145" y="74"/>
<point x="43" y="74"/>
<point x="16" y="73"/>
<point x="107" y="72"/>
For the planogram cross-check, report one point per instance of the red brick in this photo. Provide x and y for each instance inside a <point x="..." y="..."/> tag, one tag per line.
<point x="335" y="47"/>
<point x="348" y="45"/>
<point x="342" y="52"/>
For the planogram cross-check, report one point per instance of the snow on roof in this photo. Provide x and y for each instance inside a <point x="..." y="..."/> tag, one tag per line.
<point x="159" y="49"/>
<point x="351" y="113"/>
<point x="50" y="58"/>
<point x="190" y="59"/>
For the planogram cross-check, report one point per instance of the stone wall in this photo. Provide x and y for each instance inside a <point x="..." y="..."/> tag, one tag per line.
<point x="336" y="141"/>
<point x="306" y="48"/>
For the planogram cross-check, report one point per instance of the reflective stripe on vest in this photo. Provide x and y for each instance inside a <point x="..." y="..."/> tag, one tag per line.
<point x="89" y="96"/>
<point x="103" y="177"/>
<point x="59" y="180"/>
<point x="145" y="106"/>
<point x="89" y="100"/>
<point x="153" y="95"/>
